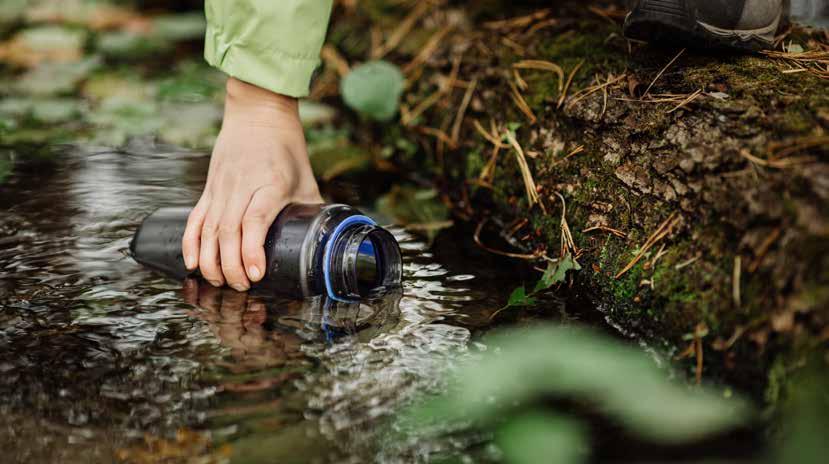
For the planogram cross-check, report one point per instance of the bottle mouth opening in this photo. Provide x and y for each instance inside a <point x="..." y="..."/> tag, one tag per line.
<point x="361" y="260"/>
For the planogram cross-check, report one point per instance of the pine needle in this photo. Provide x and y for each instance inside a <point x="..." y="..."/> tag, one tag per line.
<point x="662" y="72"/>
<point x="529" y="183"/>
<point x="661" y="232"/>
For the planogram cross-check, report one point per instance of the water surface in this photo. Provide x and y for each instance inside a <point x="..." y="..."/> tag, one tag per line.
<point x="102" y="359"/>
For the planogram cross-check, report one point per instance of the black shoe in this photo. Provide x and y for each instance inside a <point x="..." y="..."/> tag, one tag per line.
<point x="745" y="24"/>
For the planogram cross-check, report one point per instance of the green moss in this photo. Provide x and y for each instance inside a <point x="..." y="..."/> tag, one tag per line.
<point x="627" y="286"/>
<point x="475" y="162"/>
<point x="567" y="50"/>
<point x="549" y="225"/>
<point x="798" y="121"/>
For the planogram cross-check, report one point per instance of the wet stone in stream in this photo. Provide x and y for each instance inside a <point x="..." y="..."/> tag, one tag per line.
<point x="97" y="354"/>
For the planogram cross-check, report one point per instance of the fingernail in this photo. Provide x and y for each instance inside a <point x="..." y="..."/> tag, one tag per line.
<point x="190" y="262"/>
<point x="215" y="283"/>
<point x="254" y="273"/>
<point x="240" y="287"/>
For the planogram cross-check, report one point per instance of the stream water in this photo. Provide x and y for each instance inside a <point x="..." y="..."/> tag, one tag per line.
<point x="102" y="359"/>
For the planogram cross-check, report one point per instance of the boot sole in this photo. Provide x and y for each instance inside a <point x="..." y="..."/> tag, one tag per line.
<point x="670" y="22"/>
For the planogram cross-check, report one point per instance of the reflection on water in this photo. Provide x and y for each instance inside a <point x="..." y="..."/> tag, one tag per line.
<point x="98" y="355"/>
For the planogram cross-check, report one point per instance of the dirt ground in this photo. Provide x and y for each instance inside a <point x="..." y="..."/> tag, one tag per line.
<point x="693" y="185"/>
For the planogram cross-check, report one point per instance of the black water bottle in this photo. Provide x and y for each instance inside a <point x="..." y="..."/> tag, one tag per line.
<point x="320" y="249"/>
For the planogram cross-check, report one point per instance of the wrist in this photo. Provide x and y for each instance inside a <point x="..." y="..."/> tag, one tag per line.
<point x="257" y="105"/>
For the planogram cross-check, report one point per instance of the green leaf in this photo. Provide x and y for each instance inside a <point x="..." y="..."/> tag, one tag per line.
<point x="519" y="297"/>
<point x="373" y="89"/>
<point x="532" y="365"/>
<point x="419" y="209"/>
<point x="511" y="128"/>
<point x="556" y="272"/>
<point x="537" y="437"/>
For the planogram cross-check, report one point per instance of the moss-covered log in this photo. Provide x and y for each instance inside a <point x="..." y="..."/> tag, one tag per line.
<point x="713" y="170"/>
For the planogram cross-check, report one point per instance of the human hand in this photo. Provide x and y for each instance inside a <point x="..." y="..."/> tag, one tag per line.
<point x="259" y="165"/>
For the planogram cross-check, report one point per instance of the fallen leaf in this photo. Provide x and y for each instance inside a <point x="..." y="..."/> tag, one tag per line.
<point x="415" y="207"/>
<point x="96" y="15"/>
<point x="55" y="78"/>
<point x="43" y="44"/>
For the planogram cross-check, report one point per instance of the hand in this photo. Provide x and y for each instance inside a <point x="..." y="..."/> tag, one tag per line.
<point x="259" y="165"/>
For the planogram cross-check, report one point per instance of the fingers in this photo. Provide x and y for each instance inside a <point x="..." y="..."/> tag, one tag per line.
<point x="263" y="208"/>
<point x="224" y="255"/>
<point x="230" y="242"/>
<point x="209" y="246"/>
<point x="190" y="241"/>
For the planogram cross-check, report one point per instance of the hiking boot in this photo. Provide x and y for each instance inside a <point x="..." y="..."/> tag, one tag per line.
<point x="744" y="24"/>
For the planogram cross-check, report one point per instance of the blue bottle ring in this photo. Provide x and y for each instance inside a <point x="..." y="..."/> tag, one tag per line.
<point x="348" y="222"/>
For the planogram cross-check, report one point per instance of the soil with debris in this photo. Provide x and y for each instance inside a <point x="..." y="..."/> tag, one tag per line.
<point x="696" y="183"/>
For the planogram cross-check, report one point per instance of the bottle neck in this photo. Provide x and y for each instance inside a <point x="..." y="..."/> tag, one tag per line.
<point x="360" y="259"/>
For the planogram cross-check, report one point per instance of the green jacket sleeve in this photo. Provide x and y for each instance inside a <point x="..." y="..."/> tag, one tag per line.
<point x="274" y="44"/>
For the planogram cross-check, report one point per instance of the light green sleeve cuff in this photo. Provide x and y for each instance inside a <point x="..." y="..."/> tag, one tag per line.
<point x="274" y="44"/>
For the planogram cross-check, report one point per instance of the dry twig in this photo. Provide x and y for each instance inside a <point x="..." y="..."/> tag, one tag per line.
<point x="333" y="58"/>
<point x="521" y="103"/>
<point x="662" y="72"/>
<point x="661" y="232"/>
<point x="735" y="281"/>
<point x="563" y="95"/>
<point x="529" y="183"/>
<point x="815" y="62"/>
<point x="427" y="51"/>
<point x="688" y="100"/>
<point x="584" y="93"/>
<point x="477" y="238"/>
<point x="573" y="152"/>
<point x="610" y="230"/>
<point x="402" y="30"/>
<point x="467" y="98"/>
<point x="541" y="65"/>
<point x="518" y="22"/>
<point x="568" y="245"/>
